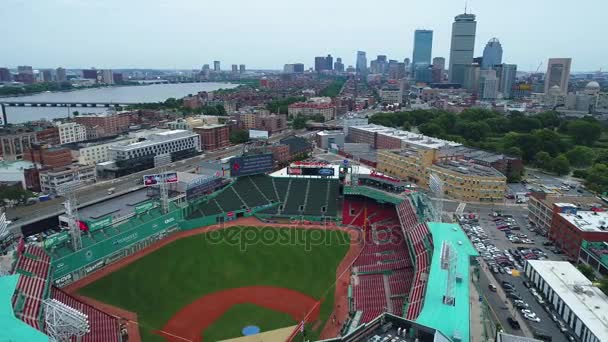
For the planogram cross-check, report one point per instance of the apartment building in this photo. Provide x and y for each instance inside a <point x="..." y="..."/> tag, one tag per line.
<point x="308" y="109"/>
<point x="106" y="124"/>
<point x="48" y="156"/>
<point x="14" y="142"/>
<point x="213" y="137"/>
<point x="70" y="132"/>
<point x="98" y="152"/>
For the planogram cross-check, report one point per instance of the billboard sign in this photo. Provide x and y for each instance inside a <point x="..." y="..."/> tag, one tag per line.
<point x="169" y="177"/>
<point x="101" y="223"/>
<point x="258" y="135"/>
<point x="144" y="207"/>
<point x="251" y="165"/>
<point x="202" y="187"/>
<point x="311" y="171"/>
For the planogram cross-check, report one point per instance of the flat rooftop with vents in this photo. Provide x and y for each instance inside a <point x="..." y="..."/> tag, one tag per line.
<point x="587" y="221"/>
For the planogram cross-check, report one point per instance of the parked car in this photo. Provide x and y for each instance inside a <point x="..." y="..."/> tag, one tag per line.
<point x="532" y="318"/>
<point x="513" y="323"/>
<point x="492" y="287"/>
<point x="526" y="284"/>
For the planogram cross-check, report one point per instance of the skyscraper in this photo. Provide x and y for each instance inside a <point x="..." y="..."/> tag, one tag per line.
<point x="242" y="68"/>
<point x="338" y="65"/>
<point x="423" y="46"/>
<point x="558" y="74"/>
<point x="319" y="63"/>
<point x="507" y="80"/>
<point x="492" y="54"/>
<point x="235" y="68"/>
<point x="60" y="74"/>
<point x="329" y="62"/>
<point x="361" y="66"/>
<point x="216" y="66"/>
<point x="5" y="75"/>
<point x="462" y="47"/>
<point x="439" y="63"/>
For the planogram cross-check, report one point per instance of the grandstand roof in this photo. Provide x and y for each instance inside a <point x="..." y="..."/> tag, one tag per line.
<point x="13" y="329"/>
<point x="434" y="311"/>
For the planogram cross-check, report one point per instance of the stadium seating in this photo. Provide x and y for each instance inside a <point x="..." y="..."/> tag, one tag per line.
<point x="384" y="260"/>
<point x="292" y="203"/>
<point x="104" y="327"/>
<point x="33" y="266"/>
<point x="249" y="193"/>
<point x="263" y="184"/>
<point x="417" y="237"/>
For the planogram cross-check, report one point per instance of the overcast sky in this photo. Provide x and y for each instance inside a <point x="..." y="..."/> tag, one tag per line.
<point x="185" y="34"/>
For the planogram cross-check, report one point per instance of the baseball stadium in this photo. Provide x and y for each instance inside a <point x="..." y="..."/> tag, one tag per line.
<point x="314" y="251"/>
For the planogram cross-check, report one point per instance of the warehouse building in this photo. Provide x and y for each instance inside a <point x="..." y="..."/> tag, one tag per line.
<point x="580" y="304"/>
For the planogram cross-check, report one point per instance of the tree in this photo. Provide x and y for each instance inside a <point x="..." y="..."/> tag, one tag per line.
<point x="584" y="132"/>
<point x="587" y="271"/>
<point x="549" y="119"/>
<point x="528" y="143"/>
<point x="581" y="156"/>
<point x="551" y="142"/>
<point x="299" y="122"/>
<point x="543" y="160"/>
<point x="431" y="129"/>
<point x="604" y="285"/>
<point x="597" y="178"/>
<point x="220" y="110"/>
<point x="524" y="124"/>
<point x="560" y="165"/>
<point x="239" y="136"/>
<point x="514" y="151"/>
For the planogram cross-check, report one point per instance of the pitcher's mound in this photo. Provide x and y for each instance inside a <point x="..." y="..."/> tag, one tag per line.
<point x="269" y="336"/>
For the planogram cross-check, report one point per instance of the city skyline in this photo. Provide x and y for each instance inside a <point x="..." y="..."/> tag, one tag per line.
<point x="194" y="34"/>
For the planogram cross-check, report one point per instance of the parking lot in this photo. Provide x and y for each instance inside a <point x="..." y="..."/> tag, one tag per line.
<point x="543" y="181"/>
<point x="504" y="242"/>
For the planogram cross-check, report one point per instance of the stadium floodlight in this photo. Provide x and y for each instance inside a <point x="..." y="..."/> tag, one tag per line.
<point x="436" y="186"/>
<point x="3" y="226"/>
<point x="449" y="259"/>
<point x="64" y="322"/>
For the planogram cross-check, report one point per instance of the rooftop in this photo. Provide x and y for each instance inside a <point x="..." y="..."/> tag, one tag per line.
<point x="504" y="337"/>
<point x="407" y="137"/>
<point x="586" y="301"/>
<point x="581" y="202"/>
<point x="598" y="249"/>
<point x="12" y="166"/>
<point x="156" y="138"/>
<point x="210" y="126"/>
<point x="588" y="221"/>
<point x="434" y="312"/>
<point x="468" y="168"/>
<point x="330" y="133"/>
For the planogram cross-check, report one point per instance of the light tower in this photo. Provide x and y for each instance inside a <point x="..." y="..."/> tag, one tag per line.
<point x="436" y="186"/>
<point x="448" y="262"/>
<point x="71" y="211"/>
<point x="64" y="322"/>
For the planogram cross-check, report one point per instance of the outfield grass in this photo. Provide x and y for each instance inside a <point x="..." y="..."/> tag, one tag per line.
<point x="158" y="285"/>
<point x="246" y="314"/>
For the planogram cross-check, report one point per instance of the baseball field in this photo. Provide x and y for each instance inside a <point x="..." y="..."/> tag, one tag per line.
<point x="214" y="284"/>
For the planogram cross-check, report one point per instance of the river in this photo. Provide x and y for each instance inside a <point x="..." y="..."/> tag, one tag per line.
<point x="129" y="94"/>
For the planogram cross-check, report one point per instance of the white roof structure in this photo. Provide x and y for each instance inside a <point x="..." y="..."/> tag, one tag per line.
<point x="156" y="138"/>
<point x="409" y="138"/>
<point x="586" y="301"/>
<point x="587" y="221"/>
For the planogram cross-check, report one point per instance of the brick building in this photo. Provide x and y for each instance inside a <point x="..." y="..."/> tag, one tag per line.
<point x="49" y="135"/>
<point x="307" y="109"/>
<point x="280" y="153"/>
<point x="106" y="124"/>
<point x="571" y="226"/>
<point x="49" y="156"/>
<point x="213" y="137"/>
<point x="270" y="123"/>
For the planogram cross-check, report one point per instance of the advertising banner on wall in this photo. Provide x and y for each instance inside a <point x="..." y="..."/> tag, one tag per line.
<point x="144" y="207"/>
<point x="169" y="177"/>
<point x="56" y="239"/>
<point x="251" y="165"/>
<point x="100" y="223"/>
<point x="311" y="171"/>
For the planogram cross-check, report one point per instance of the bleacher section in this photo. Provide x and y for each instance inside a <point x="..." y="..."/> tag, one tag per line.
<point x="104" y="327"/>
<point x="383" y="269"/>
<point x="33" y="265"/>
<point x="255" y="191"/>
<point x="418" y="237"/>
